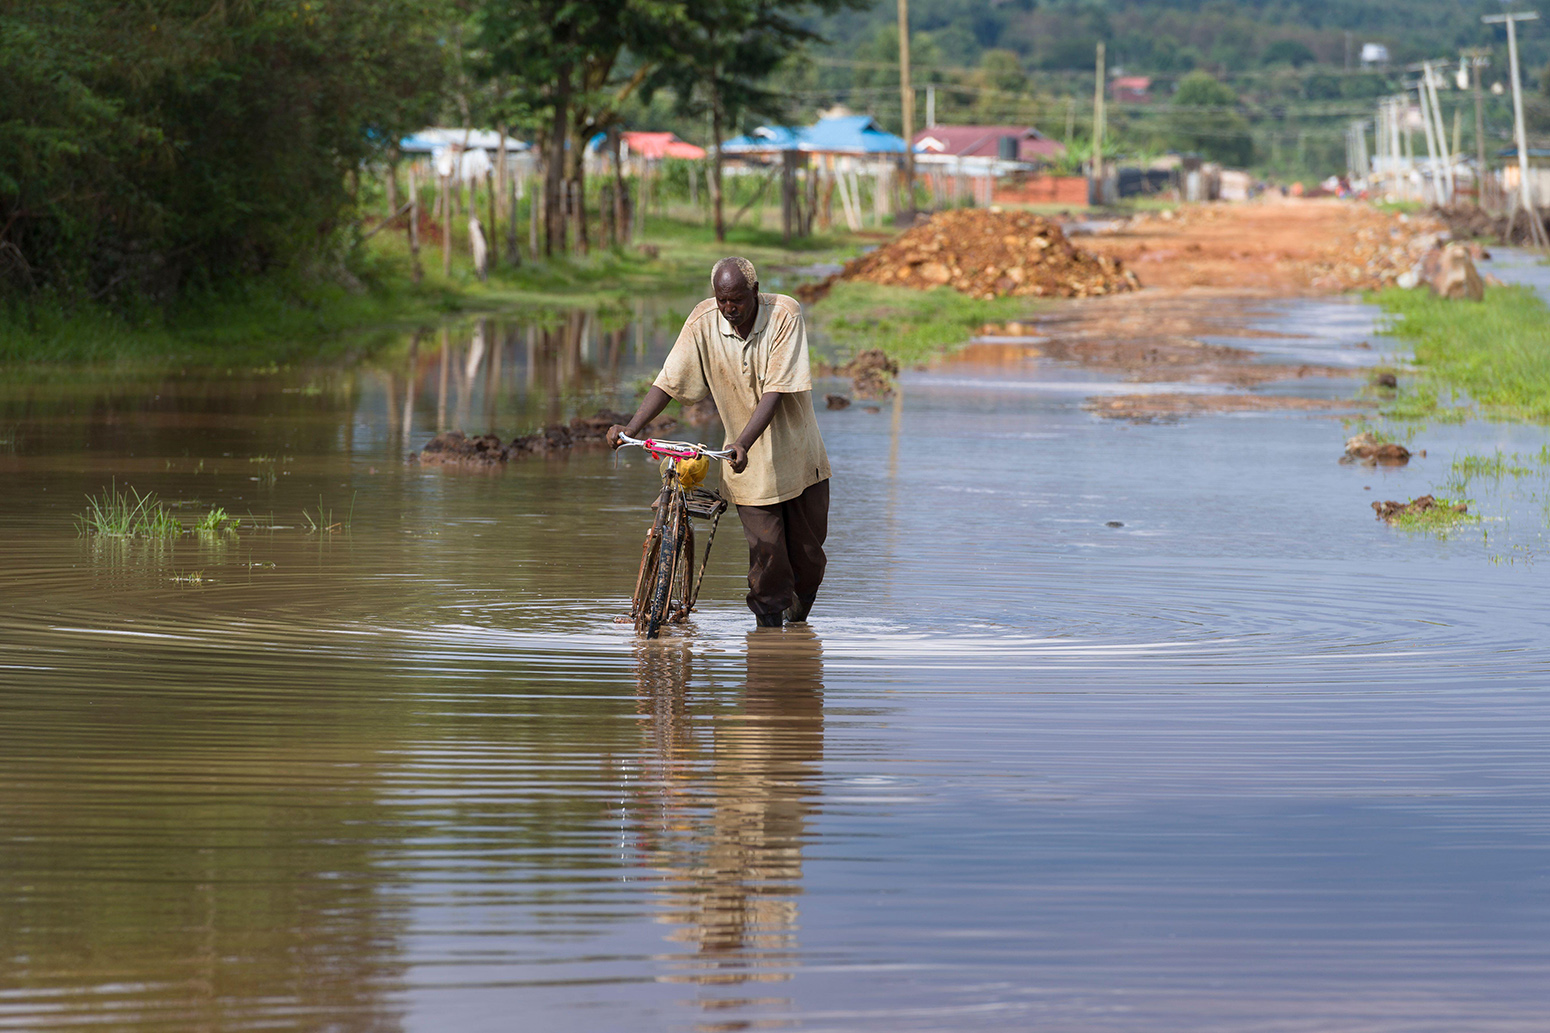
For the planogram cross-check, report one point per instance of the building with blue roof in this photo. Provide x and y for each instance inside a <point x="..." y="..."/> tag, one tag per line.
<point x="843" y="134"/>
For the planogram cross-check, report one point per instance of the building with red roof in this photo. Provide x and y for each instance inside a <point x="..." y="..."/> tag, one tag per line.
<point x="1131" y="89"/>
<point x="985" y="142"/>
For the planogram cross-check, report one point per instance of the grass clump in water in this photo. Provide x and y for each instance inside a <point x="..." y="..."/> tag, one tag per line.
<point x="127" y="514"/>
<point x="1497" y="351"/>
<point x="910" y="325"/>
<point x="321" y="520"/>
<point x="1498" y="465"/>
<point x="215" y="522"/>
<point x="1440" y="516"/>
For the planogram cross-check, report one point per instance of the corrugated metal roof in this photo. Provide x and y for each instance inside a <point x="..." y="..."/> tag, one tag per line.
<point x="846" y="134"/>
<point x="984" y="142"/>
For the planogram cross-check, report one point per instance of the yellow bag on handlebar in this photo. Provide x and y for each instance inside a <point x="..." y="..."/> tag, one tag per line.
<point x="691" y="472"/>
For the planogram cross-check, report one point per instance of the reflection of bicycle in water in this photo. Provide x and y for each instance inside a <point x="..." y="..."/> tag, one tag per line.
<point x="668" y="587"/>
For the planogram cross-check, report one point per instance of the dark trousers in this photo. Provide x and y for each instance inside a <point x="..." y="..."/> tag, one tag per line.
<point x="785" y="548"/>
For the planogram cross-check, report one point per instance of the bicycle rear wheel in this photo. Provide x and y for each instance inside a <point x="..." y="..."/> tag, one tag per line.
<point x="668" y="561"/>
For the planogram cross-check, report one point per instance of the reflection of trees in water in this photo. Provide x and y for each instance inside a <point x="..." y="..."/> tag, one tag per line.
<point x="166" y="876"/>
<point x="724" y="814"/>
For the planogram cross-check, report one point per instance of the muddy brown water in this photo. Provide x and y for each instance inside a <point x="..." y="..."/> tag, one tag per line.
<point x="1249" y="761"/>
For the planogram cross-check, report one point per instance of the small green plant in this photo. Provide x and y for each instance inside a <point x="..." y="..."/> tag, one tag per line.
<point x="127" y="514"/>
<point x="215" y="522"/>
<point x="1498" y="465"/>
<point x="321" y="521"/>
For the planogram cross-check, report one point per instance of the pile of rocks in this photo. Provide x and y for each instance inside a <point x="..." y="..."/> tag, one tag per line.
<point x="1377" y="249"/>
<point x="986" y="254"/>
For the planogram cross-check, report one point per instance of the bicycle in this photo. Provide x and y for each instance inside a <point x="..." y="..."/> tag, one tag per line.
<point x="667" y="556"/>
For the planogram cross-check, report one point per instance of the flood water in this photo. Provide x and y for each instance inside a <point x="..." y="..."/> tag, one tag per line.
<point x="1248" y="761"/>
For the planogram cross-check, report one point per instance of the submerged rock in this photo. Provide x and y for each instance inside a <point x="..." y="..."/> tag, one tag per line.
<point x="1390" y="510"/>
<point x="1364" y="448"/>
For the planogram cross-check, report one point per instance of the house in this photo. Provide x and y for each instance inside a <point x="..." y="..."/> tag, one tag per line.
<point x="644" y="146"/>
<point x="1131" y="89"/>
<point x="855" y="135"/>
<point x="467" y="153"/>
<point x="637" y="149"/>
<point x="1005" y="144"/>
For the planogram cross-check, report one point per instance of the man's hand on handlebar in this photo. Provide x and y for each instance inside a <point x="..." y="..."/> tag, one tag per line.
<point x="739" y="460"/>
<point x="614" y="440"/>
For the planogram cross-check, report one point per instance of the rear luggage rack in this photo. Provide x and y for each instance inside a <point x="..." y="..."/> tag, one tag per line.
<point x="704" y="504"/>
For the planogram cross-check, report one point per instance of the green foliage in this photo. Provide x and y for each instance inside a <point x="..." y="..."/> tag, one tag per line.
<point x="1288" y="51"/>
<point x="1206" y="120"/>
<point x="157" y="149"/>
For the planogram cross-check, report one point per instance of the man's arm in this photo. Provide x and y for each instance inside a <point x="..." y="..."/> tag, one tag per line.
<point x="763" y="413"/>
<point x="656" y="400"/>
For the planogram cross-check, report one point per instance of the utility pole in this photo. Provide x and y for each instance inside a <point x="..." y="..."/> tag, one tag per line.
<point x="907" y="97"/>
<point x="1431" y="137"/>
<point x="1536" y="227"/>
<point x="1097" y="161"/>
<point x="1434" y="107"/>
<point x="1478" y="59"/>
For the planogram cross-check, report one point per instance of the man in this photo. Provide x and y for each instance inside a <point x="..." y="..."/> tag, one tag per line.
<point x="748" y="351"/>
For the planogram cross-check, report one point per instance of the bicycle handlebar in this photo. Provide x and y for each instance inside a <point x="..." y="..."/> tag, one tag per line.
<point x="676" y="449"/>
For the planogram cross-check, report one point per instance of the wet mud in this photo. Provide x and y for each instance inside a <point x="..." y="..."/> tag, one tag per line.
<point x="1391" y="511"/>
<point x="454" y="448"/>
<point x="872" y="375"/>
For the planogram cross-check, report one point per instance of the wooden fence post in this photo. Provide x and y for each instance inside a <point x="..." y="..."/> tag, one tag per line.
<point x="415" y="272"/>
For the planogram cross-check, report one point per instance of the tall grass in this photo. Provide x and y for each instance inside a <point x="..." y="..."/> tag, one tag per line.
<point x="1497" y="351"/>
<point x="127" y="514"/>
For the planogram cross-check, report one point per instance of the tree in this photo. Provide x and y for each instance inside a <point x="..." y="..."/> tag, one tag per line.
<point x="721" y="59"/>
<point x="1205" y="119"/>
<point x="1288" y="52"/>
<point x="154" y="150"/>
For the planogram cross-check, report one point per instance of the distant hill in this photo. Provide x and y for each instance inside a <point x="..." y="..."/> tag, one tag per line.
<point x="1172" y="36"/>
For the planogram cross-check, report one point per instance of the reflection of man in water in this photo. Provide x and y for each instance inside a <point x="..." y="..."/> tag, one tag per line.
<point x="748" y="351"/>
<point x="736" y="871"/>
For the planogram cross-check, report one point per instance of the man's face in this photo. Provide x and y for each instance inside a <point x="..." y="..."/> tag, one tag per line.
<point x="737" y="301"/>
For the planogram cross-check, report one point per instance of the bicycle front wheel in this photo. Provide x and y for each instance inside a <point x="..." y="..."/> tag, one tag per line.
<point x="669" y="559"/>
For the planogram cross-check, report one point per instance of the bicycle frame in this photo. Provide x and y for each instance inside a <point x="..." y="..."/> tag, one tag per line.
<point x="667" y="555"/>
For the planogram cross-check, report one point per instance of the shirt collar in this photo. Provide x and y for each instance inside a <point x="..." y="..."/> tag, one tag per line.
<point x="760" y="321"/>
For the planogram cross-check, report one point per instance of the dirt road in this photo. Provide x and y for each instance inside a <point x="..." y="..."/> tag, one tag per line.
<point x="1205" y="271"/>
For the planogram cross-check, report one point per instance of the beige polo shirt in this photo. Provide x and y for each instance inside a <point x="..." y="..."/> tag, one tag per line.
<point x="710" y="359"/>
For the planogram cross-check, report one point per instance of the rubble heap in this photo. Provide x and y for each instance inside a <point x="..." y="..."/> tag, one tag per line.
<point x="1376" y="250"/>
<point x="986" y="254"/>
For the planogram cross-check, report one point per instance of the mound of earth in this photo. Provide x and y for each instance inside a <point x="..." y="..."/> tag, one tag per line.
<point x="1364" y="448"/>
<point x="454" y="448"/>
<point x="1391" y="510"/>
<point x="986" y="254"/>
<point x="871" y="374"/>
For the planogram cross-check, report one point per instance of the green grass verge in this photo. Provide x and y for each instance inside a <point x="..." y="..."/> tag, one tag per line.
<point x="292" y="317"/>
<point x="1497" y="352"/>
<point x="910" y="325"/>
